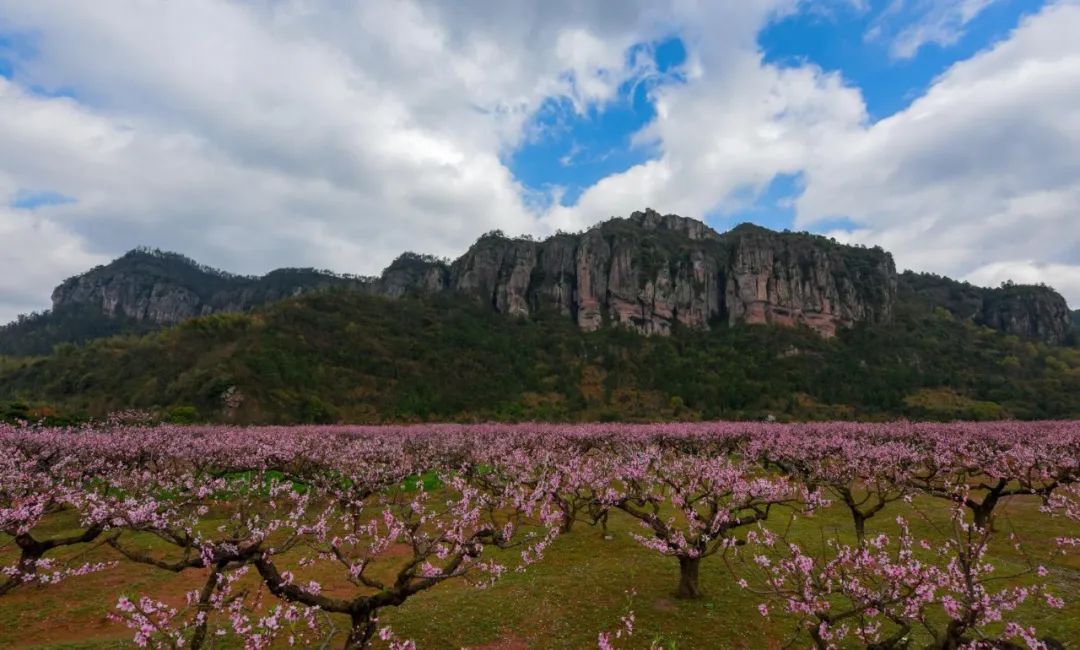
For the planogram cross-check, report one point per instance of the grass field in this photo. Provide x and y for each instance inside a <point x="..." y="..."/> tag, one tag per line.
<point x="579" y="588"/>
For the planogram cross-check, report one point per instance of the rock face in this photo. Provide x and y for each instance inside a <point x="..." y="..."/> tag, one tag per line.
<point x="411" y="272"/>
<point x="792" y="279"/>
<point x="654" y="272"/>
<point x="164" y="288"/>
<point x="650" y="272"/>
<point x="606" y="275"/>
<point x="1030" y="311"/>
<point x="131" y="296"/>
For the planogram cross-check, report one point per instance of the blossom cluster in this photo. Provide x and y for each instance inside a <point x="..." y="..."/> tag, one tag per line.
<point x="398" y="510"/>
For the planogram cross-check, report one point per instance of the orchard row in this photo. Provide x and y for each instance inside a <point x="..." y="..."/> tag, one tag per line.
<point x="389" y="512"/>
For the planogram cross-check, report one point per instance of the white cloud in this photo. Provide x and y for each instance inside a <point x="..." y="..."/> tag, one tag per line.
<point x="734" y="125"/>
<point x="909" y="25"/>
<point x="256" y="135"/>
<point x="978" y="177"/>
<point x="281" y="132"/>
<point x="285" y="132"/>
<point x="36" y="252"/>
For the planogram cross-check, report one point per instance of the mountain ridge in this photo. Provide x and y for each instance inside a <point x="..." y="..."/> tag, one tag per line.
<point x="650" y="272"/>
<point x="170" y="287"/>
<point x="654" y="272"/>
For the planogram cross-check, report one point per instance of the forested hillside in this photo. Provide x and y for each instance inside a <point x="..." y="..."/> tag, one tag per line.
<point x="346" y="356"/>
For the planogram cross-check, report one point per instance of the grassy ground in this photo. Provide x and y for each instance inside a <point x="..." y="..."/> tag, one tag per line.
<point x="578" y="589"/>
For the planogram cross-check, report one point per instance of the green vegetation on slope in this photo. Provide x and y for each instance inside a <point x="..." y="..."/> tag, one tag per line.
<point x="345" y="356"/>
<point x="39" y="333"/>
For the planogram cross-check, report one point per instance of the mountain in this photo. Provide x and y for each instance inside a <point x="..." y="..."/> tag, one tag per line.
<point x="1030" y="311"/>
<point x="349" y="356"/>
<point x="165" y="288"/>
<point x="655" y="272"/>
<point x="651" y="273"/>
<point x="649" y="317"/>
<point x="146" y="289"/>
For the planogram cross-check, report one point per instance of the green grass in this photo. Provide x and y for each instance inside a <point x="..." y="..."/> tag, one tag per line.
<point x="577" y="590"/>
<point x="429" y="480"/>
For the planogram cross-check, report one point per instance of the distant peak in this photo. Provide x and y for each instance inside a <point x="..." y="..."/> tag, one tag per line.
<point x="146" y="251"/>
<point x="412" y="260"/>
<point x="747" y="227"/>
<point x="653" y="220"/>
<point x="166" y="262"/>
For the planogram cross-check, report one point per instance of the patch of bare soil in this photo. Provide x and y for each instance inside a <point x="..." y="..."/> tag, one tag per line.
<point x="508" y="641"/>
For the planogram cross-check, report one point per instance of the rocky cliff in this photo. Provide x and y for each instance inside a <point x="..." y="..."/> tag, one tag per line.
<point x="1030" y="311"/>
<point x="789" y="279"/>
<point x="650" y="272"/>
<point x="411" y="272"/>
<point x="653" y="272"/>
<point x="1036" y="312"/>
<point x="165" y="288"/>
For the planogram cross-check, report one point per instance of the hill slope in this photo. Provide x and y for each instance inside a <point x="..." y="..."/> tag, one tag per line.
<point x="343" y="355"/>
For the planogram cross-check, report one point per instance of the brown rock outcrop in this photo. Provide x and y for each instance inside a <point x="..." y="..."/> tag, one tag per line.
<point x="654" y="272"/>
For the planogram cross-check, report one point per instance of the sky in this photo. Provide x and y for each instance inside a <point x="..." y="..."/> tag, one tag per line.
<point x="337" y="134"/>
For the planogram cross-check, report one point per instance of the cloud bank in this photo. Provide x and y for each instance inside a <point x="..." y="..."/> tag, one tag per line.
<point x="257" y="135"/>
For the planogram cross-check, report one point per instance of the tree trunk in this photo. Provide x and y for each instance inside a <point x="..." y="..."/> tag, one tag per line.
<point x="198" y="637"/>
<point x="688" y="577"/>
<point x="567" y="523"/>
<point x="860" y="526"/>
<point x="363" y="629"/>
<point x="857" y="515"/>
<point x="952" y="638"/>
<point x="602" y="519"/>
<point x="31" y="552"/>
<point x="983" y="512"/>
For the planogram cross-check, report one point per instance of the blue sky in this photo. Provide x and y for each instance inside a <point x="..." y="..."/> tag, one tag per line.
<point x="573" y="150"/>
<point x="31" y="200"/>
<point x="14" y="45"/>
<point x="838" y="40"/>
<point x="5" y="60"/>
